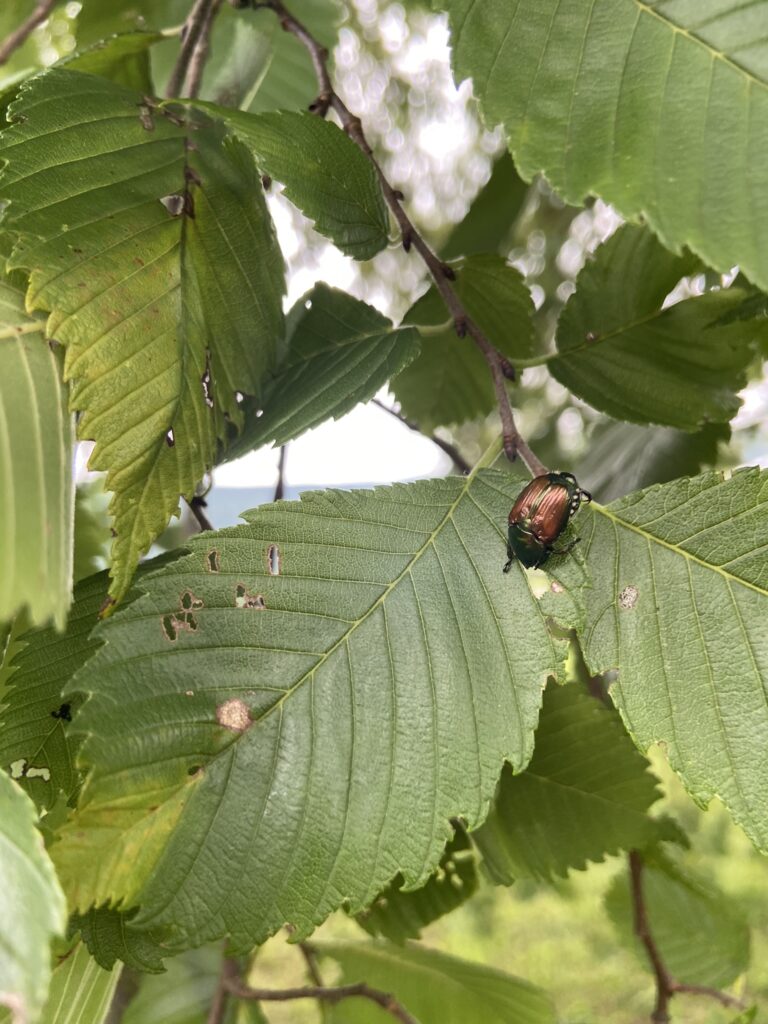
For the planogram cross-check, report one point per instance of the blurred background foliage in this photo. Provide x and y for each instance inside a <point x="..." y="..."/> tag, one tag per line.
<point x="392" y="68"/>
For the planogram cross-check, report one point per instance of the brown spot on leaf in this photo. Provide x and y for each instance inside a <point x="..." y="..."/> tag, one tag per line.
<point x="233" y="714"/>
<point x="628" y="597"/>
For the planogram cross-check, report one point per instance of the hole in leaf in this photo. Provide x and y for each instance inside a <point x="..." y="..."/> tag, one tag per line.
<point x="170" y="438"/>
<point x="245" y="599"/>
<point x="205" y="380"/>
<point x="274" y="561"/>
<point x="174" y="204"/>
<point x="213" y="561"/>
<point x="64" y="713"/>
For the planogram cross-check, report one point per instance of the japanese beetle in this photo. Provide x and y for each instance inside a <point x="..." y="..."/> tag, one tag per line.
<point x="538" y="517"/>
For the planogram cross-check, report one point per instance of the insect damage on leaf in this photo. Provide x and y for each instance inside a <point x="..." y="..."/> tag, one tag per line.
<point x="233" y="714"/>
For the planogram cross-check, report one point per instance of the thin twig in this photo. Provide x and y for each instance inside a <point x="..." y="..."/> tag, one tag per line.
<point x="196" y="506"/>
<point x="442" y="274"/>
<point x="229" y="973"/>
<point x="126" y="990"/>
<point x="200" y="53"/>
<point x="191" y="34"/>
<point x="326" y="994"/>
<point x="714" y="993"/>
<point x="666" y="984"/>
<point x="450" y="450"/>
<point x="19" y="35"/>
<point x="311" y="961"/>
<point x="280" y="484"/>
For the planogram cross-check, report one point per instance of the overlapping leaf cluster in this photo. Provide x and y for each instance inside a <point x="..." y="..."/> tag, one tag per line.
<point x="344" y="702"/>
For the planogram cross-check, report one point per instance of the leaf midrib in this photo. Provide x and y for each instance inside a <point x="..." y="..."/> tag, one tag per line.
<point x="676" y="548"/>
<point x="430" y="539"/>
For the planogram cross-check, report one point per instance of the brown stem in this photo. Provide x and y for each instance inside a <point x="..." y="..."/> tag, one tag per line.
<point x="664" y="989"/>
<point x="19" y="35"/>
<point x="714" y="993"/>
<point x="450" y="449"/>
<point x="126" y="990"/>
<point x="229" y="972"/>
<point x="326" y="994"/>
<point x="200" y="53"/>
<point x="311" y="961"/>
<point x="196" y="506"/>
<point x="442" y="273"/>
<point x="280" y="484"/>
<point x="191" y="35"/>
<point x="666" y="984"/>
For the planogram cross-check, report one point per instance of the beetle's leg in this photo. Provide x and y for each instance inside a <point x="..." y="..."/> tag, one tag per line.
<point x="567" y="548"/>
<point x="510" y="558"/>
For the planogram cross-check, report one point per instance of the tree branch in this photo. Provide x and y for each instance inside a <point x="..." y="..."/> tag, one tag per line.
<point x="311" y="961"/>
<point x="336" y="994"/>
<point x="280" y="484"/>
<point x="200" y="53"/>
<point x="666" y="985"/>
<point x="195" y="34"/>
<point x="229" y="972"/>
<point x="442" y="274"/>
<point x="13" y="41"/>
<point x="450" y="450"/>
<point x="196" y="506"/>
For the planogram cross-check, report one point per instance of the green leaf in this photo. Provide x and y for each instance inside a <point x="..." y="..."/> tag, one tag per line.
<point x="450" y="381"/>
<point x="35" y="745"/>
<point x="318" y="681"/>
<point x="98" y="19"/>
<point x="434" y="987"/>
<point x="32" y="906"/>
<point x="494" y="210"/>
<point x="341" y="351"/>
<point x="585" y="794"/>
<point x="92" y="531"/>
<point x="624" y="457"/>
<point x="290" y="82"/>
<point x="165" y="315"/>
<point x="240" y="52"/>
<point x="26" y="57"/>
<point x="81" y="991"/>
<point x="324" y="173"/>
<point x="36" y="492"/>
<point x="109" y="937"/>
<point x="678" y="606"/>
<point x="185" y="992"/>
<point x="627" y="356"/>
<point x="124" y="59"/>
<point x="702" y="938"/>
<point x="397" y="914"/>
<point x="661" y="109"/>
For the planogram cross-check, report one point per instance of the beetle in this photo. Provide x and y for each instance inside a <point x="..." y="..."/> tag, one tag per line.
<point x="538" y="517"/>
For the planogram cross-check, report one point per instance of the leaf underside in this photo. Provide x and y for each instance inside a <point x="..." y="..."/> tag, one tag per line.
<point x="125" y="231"/>
<point x="660" y="107"/>
<point x="36" y="491"/>
<point x="678" y="605"/>
<point x="340" y="687"/>
<point x="585" y="794"/>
